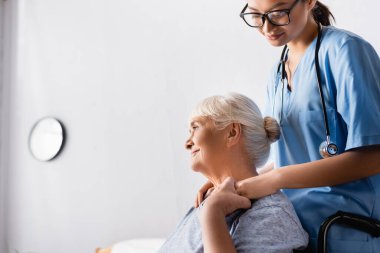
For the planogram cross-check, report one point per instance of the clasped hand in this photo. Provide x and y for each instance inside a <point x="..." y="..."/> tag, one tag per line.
<point x="250" y="188"/>
<point x="225" y="199"/>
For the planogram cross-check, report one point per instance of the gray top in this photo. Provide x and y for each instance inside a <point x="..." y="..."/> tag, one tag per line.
<point x="270" y="226"/>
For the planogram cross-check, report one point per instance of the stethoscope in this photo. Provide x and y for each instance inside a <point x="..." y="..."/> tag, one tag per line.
<point x="327" y="148"/>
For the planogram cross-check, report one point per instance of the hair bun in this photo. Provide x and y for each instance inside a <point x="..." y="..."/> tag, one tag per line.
<point x="272" y="129"/>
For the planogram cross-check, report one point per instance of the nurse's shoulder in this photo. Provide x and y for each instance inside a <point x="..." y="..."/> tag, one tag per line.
<point x="336" y="38"/>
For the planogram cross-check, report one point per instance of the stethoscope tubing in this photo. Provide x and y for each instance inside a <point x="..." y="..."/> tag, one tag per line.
<point x="319" y="81"/>
<point x="318" y="71"/>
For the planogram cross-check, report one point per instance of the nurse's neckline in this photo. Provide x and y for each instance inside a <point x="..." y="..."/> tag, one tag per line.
<point x="310" y="47"/>
<point x="292" y="60"/>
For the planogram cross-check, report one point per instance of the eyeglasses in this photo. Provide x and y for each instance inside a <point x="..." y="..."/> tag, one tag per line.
<point x="276" y="17"/>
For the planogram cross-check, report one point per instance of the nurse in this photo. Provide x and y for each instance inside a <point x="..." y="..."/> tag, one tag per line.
<point x="350" y="80"/>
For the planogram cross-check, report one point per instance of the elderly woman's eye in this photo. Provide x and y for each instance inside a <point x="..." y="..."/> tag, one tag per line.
<point x="192" y="129"/>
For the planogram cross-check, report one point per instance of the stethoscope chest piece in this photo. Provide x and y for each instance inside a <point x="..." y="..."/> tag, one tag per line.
<point x="328" y="149"/>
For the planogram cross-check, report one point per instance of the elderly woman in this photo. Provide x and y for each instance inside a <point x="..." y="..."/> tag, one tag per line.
<point x="228" y="140"/>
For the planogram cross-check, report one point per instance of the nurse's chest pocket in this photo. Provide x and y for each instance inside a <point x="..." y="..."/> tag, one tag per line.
<point x="312" y="125"/>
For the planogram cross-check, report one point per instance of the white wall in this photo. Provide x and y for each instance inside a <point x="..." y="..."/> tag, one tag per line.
<point x="2" y="126"/>
<point x="5" y="69"/>
<point x="122" y="76"/>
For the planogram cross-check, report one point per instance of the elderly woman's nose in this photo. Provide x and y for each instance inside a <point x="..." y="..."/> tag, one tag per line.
<point x="189" y="143"/>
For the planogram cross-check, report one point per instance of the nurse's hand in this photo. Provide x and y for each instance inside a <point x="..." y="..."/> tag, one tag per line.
<point x="258" y="186"/>
<point x="202" y="192"/>
<point x="224" y="200"/>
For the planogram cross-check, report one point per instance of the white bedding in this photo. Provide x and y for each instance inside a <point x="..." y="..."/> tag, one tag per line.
<point x="146" y="245"/>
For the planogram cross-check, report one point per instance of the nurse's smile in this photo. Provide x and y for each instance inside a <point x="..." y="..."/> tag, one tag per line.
<point x="274" y="36"/>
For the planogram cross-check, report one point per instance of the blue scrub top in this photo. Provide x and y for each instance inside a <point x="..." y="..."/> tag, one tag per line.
<point x="350" y="72"/>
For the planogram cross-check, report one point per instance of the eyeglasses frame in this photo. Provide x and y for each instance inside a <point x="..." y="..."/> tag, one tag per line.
<point x="265" y="15"/>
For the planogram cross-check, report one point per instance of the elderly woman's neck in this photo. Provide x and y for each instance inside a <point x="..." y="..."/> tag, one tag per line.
<point x="237" y="170"/>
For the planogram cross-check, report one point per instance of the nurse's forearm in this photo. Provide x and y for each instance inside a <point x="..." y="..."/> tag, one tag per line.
<point x="346" y="167"/>
<point x="268" y="167"/>
<point x="215" y="235"/>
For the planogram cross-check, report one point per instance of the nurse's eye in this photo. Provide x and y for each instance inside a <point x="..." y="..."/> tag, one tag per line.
<point x="255" y="18"/>
<point x="278" y="17"/>
<point x="275" y="14"/>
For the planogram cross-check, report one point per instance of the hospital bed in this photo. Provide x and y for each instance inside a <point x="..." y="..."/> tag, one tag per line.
<point x="368" y="225"/>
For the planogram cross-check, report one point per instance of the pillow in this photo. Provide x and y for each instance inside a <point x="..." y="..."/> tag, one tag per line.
<point x="143" y="245"/>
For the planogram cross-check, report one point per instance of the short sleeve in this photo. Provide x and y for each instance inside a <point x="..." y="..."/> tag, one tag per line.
<point x="270" y="230"/>
<point x="357" y="76"/>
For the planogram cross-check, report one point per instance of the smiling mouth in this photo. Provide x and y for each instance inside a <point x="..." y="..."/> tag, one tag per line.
<point x="194" y="152"/>
<point x="274" y="36"/>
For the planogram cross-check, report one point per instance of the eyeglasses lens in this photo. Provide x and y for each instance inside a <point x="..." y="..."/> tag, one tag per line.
<point x="278" y="18"/>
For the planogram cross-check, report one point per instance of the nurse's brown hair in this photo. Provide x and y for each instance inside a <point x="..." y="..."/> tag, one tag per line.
<point x="322" y="14"/>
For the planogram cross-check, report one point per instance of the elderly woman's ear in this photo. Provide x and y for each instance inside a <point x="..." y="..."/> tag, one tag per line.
<point x="234" y="134"/>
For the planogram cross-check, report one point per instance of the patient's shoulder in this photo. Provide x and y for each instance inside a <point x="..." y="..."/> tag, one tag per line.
<point x="270" y="222"/>
<point x="277" y="199"/>
<point x="272" y="208"/>
<point x="272" y="211"/>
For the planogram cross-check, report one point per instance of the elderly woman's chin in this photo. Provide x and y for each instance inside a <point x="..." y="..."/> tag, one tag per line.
<point x="197" y="167"/>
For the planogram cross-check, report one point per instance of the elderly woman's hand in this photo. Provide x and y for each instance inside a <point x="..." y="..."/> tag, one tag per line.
<point x="202" y="192"/>
<point x="221" y="202"/>
<point x="225" y="200"/>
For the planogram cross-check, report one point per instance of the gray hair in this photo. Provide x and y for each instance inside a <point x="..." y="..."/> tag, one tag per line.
<point x="258" y="132"/>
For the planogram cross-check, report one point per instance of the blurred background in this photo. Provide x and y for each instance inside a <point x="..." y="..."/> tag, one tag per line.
<point x="122" y="76"/>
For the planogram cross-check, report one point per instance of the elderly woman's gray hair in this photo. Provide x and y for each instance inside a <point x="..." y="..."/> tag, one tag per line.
<point x="258" y="132"/>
